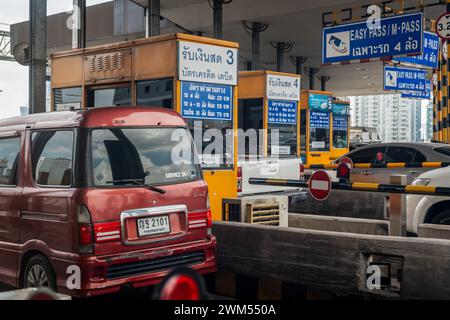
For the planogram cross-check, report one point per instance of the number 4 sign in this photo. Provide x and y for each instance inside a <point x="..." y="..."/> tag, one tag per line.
<point x="443" y="26"/>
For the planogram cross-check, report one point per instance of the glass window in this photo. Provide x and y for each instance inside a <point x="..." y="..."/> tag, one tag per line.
<point x="319" y="131"/>
<point x="67" y="98"/>
<point x="52" y="157"/>
<point x="303" y="130"/>
<point x="251" y="118"/>
<point x="368" y="155"/>
<point x="340" y="132"/>
<point x="443" y="150"/>
<point x="9" y="160"/>
<point x="137" y="156"/>
<point x="399" y="154"/>
<point x="214" y="140"/>
<point x="155" y="93"/>
<point x="287" y="134"/>
<point x="109" y="97"/>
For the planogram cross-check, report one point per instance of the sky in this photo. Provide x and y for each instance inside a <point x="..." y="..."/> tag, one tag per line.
<point x="13" y="76"/>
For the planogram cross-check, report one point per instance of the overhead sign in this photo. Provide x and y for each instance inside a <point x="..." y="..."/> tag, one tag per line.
<point x="396" y="36"/>
<point x="206" y="101"/>
<point x="319" y="102"/>
<point x="430" y="53"/>
<point x="283" y="87"/>
<point x="320" y="185"/>
<point x="319" y="120"/>
<point x="443" y="26"/>
<point x="404" y="79"/>
<point x="282" y="112"/>
<point x="426" y="94"/>
<point x="207" y="63"/>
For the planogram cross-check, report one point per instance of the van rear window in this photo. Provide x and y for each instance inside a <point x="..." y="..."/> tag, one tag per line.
<point x="138" y="156"/>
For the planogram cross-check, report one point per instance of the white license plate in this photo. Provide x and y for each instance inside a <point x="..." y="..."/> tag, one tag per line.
<point x="153" y="226"/>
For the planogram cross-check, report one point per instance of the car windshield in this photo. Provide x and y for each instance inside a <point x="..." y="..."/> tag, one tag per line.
<point x="138" y="156"/>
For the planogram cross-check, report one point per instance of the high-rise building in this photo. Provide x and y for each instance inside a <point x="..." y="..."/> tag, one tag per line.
<point x="23" y="110"/>
<point x="397" y="119"/>
<point x="429" y="123"/>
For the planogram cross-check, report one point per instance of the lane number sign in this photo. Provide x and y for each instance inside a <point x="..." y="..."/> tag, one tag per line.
<point x="443" y="26"/>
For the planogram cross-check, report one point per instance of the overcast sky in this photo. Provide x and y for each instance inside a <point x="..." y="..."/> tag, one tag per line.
<point x="14" y="77"/>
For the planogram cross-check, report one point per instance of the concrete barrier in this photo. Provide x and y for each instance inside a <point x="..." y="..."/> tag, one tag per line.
<point x="434" y="231"/>
<point x="339" y="224"/>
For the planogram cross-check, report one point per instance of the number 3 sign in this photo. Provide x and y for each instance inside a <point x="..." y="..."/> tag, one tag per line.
<point x="443" y="26"/>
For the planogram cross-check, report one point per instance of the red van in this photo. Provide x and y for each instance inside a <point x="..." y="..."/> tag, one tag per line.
<point x="91" y="201"/>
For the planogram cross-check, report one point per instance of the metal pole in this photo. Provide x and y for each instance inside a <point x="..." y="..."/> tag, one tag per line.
<point x="280" y="56"/>
<point x="312" y="73"/>
<point x="323" y="82"/>
<point x="38" y="55"/>
<point x="154" y="18"/>
<point x="256" y="44"/>
<point x="217" y="13"/>
<point x="79" y="24"/>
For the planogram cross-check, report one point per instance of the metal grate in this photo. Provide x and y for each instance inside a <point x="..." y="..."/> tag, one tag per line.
<point x="154" y="265"/>
<point x="266" y="214"/>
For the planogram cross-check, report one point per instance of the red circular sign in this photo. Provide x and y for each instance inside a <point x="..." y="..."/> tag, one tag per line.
<point x="320" y="185"/>
<point x="443" y="26"/>
<point x="348" y="162"/>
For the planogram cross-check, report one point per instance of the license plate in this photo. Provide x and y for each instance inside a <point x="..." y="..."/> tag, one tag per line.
<point x="153" y="226"/>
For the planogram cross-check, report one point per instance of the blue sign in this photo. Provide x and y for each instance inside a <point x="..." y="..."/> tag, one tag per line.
<point x="339" y="109"/>
<point x="429" y="56"/>
<point x="403" y="79"/>
<point x="396" y="36"/>
<point x="340" y="123"/>
<point x="319" y="102"/>
<point x="282" y="112"/>
<point x="319" y="120"/>
<point x="426" y="94"/>
<point x="206" y="101"/>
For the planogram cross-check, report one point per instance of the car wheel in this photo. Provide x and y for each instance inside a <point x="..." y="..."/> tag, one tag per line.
<point x="442" y="218"/>
<point x="38" y="273"/>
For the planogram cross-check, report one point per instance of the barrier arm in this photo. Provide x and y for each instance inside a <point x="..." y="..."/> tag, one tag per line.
<point x="355" y="186"/>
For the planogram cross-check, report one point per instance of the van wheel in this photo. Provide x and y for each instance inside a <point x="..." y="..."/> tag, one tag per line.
<point x="38" y="273"/>
<point x="442" y="218"/>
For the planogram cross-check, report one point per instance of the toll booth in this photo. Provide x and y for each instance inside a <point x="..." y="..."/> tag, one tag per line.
<point x="315" y="127"/>
<point x="340" y="114"/>
<point x="196" y="76"/>
<point x="269" y="100"/>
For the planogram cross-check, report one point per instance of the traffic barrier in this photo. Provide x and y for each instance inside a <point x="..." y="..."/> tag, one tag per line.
<point x="382" y="165"/>
<point x="358" y="186"/>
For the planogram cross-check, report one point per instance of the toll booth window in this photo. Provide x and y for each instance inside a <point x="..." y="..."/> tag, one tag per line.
<point x="303" y="130"/>
<point x="67" y="98"/>
<point x="109" y="97"/>
<point x="155" y="93"/>
<point x="251" y="121"/>
<point x="214" y="140"/>
<point x="9" y="160"/>
<point x="319" y="131"/>
<point x="287" y="140"/>
<point x="340" y="132"/>
<point x="51" y="155"/>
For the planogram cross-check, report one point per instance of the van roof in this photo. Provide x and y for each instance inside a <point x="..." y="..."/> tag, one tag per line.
<point x="95" y="117"/>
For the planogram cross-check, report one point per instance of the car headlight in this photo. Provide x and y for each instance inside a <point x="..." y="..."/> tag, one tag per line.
<point x="421" y="182"/>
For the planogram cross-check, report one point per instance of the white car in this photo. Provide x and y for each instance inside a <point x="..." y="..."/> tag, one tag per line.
<point x="429" y="209"/>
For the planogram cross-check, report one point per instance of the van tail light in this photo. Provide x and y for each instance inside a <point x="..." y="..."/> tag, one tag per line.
<point x="239" y="179"/>
<point x="302" y="171"/>
<point x="200" y="220"/>
<point x="85" y="230"/>
<point x="107" y="232"/>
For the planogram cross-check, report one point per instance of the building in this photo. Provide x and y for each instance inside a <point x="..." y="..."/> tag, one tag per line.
<point x="23" y="110"/>
<point x="397" y="119"/>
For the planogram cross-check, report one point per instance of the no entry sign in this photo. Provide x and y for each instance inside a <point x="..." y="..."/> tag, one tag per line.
<point x="348" y="162"/>
<point x="320" y="185"/>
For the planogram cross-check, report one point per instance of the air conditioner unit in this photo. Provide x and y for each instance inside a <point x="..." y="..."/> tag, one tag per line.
<point x="263" y="210"/>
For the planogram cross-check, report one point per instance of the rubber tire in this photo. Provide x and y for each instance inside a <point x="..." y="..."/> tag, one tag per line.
<point x="442" y="218"/>
<point x="43" y="262"/>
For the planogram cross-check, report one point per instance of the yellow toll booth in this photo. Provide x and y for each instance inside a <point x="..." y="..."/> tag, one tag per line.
<point x="270" y="100"/>
<point x="340" y="114"/>
<point x="315" y="127"/>
<point x="196" y="76"/>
